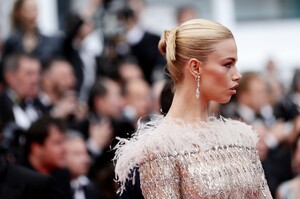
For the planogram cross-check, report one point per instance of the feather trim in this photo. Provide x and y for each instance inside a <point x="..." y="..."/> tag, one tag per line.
<point x="168" y="136"/>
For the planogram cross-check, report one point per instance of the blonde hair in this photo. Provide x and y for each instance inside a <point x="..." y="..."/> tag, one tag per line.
<point x="192" y="39"/>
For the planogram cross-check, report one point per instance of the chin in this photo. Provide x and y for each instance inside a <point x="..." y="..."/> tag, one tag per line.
<point x="223" y="101"/>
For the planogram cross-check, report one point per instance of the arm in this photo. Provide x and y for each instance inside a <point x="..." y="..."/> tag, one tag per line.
<point x="264" y="190"/>
<point x="265" y="194"/>
<point x="160" y="178"/>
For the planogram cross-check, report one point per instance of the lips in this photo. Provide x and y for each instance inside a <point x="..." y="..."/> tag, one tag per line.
<point x="233" y="89"/>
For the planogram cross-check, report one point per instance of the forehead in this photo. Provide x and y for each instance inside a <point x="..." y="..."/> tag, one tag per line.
<point x="111" y="85"/>
<point x="29" y="3"/>
<point x="28" y="63"/>
<point x="137" y="86"/>
<point x="75" y="144"/>
<point x="257" y="83"/>
<point x="224" y="49"/>
<point x="55" y="132"/>
<point x="59" y="66"/>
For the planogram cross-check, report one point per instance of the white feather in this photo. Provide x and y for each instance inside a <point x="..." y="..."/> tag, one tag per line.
<point x="168" y="136"/>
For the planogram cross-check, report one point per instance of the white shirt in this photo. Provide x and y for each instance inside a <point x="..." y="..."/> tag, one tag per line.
<point x="77" y="186"/>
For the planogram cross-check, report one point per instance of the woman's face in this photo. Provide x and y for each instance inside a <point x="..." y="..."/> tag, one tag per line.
<point x="28" y="13"/>
<point x="219" y="75"/>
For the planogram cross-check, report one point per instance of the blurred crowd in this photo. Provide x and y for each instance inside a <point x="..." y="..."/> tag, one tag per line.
<point x="66" y="99"/>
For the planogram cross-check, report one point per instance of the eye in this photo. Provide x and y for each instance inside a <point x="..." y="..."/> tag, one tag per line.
<point x="228" y="65"/>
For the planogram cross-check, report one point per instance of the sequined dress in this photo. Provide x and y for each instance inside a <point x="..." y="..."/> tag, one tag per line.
<point x="212" y="159"/>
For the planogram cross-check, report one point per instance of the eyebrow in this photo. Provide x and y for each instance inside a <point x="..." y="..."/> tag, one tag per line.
<point x="231" y="59"/>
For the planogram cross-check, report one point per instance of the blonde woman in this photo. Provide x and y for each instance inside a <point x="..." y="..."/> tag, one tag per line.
<point x="187" y="153"/>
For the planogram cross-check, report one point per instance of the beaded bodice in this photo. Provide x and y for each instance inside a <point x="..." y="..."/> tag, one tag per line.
<point x="213" y="159"/>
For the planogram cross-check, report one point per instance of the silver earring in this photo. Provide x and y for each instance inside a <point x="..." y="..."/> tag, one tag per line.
<point x="198" y="87"/>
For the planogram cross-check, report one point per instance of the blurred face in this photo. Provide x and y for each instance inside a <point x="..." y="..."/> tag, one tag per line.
<point x="112" y="103"/>
<point x="52" y="153"/>
<point x="186" y="15"/>
<point x="138" y="96"/>
<point x="62" y="77"/>
<point x="130" y="71"/>
<point x="219" y="75"/>
<point x="28" y="13"/>
<point x="26" y="80"/>
<point x="257" y="94"/>
<point x="77" y="158"/>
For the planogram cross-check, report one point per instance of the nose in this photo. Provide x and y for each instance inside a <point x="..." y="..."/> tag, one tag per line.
<point x="236" y="75"/>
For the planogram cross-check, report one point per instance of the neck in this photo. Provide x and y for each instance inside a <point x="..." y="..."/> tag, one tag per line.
<point x="187" y="107"/>
<point x="36" y="164"/>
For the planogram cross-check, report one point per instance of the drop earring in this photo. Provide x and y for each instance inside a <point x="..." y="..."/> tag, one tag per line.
<point x="198" y="87"/>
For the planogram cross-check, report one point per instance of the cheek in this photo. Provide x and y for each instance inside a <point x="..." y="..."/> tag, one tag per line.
<point x="36" y="77"/>
<point x="76" y="162"/>
<point x="111" y="102"/>
<point x="53" y="151"/>
<point x="50" y="155"/>
<point x="221" y="78"/>
<point x="215" y="79"/>
<point x="21" y="79"/>
<point x="58" y="150"/>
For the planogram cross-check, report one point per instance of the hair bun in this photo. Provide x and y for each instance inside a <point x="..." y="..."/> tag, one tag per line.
<point x="162" y="45"/>
<point x="171" y="44"/>
<point x="167" y="44"/>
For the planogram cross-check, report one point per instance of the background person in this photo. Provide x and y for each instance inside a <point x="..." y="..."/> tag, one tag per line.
<point x="78" y="163"/>
<point x="45" y="151"/>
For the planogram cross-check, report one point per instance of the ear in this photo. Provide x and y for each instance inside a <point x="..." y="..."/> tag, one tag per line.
<point x="195" y="67"/>
<point x="9" y="78"/>
<point x="99" y="102"/>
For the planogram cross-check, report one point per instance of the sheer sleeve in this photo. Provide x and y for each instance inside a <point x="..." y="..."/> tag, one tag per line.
<point x="264" y="192"/>
<point x="160" y="178"/>
<point x="267" y="193"/>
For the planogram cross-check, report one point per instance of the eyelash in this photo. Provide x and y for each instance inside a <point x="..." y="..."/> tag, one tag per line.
<point x="228" y="65"/>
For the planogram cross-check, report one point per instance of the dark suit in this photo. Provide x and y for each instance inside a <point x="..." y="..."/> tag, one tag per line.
<point x="12" y="132"/>
<point x="102" y="169"/>
<point x="277" y="167"/>
<point x="147" y="54"/>
<point x="61" y="178"/>
<point x="20" y="183"/>
<point x="8" y="99"/>
<point x="46" y="48"/>
<point x="6" y="113"/>
<point x="71" y="52"/>
<point x="287" y="109"/>
<point x="89" y="189"/>
<point x="133" y="190"/>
